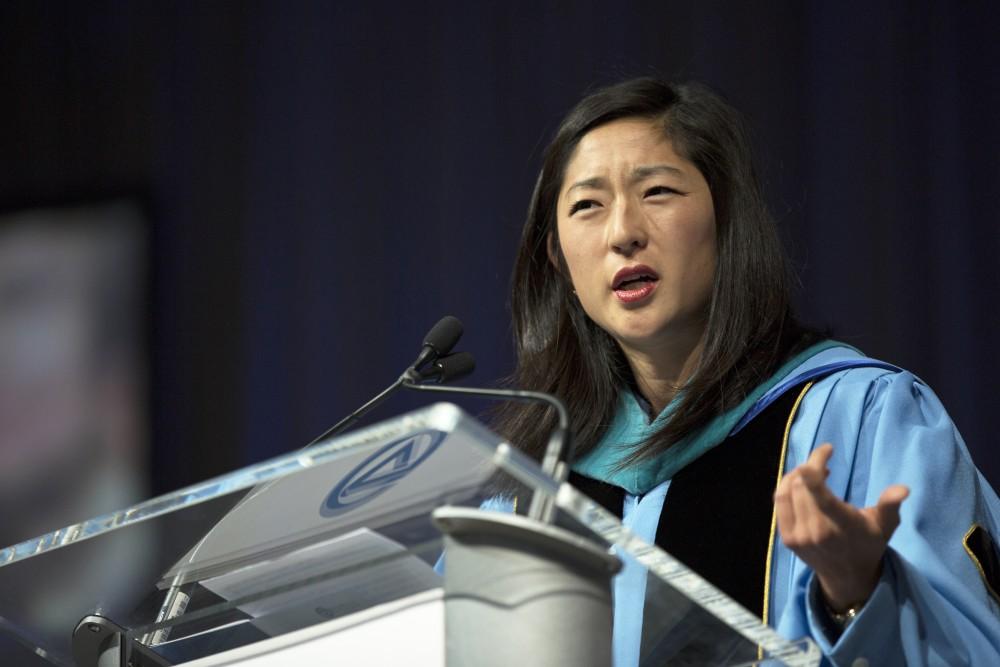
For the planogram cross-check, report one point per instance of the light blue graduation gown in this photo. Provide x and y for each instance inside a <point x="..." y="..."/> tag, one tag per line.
<point x="931" y="606"/>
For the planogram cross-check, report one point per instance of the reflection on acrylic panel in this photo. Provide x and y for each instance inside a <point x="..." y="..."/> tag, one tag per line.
<point x="73" y="401"/>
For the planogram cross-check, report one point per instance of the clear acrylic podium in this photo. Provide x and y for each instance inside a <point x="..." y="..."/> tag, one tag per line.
<point x="331" y="549"/>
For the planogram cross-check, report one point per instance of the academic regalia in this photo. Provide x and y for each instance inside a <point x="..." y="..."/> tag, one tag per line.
<point x="936" y="602"/>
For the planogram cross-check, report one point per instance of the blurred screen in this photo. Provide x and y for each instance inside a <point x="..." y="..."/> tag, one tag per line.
<point x="74" y="433"/>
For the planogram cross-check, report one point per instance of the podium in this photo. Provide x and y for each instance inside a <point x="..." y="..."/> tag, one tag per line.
<point x="403" y="543"/>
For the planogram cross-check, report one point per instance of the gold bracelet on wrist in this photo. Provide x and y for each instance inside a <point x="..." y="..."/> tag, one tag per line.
<point x="843" y="618"/>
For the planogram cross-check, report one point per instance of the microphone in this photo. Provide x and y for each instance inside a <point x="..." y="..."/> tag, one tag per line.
<point x="437" y="343"/>
<point x="439" y="340"/>
<point x="448" y="368"/>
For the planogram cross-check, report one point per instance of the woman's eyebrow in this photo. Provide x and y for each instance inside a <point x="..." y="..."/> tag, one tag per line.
<point x="640" y="173"/>
<point x="595" y="182"/>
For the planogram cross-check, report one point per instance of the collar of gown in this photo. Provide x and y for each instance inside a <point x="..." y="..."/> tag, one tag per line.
<point x="631" y="426"/>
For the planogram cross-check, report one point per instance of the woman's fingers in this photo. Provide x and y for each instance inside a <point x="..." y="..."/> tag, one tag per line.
<point x="783" y="507"/>
<point x="885" y="513"/>
<point x="813" y="504"/>
<point x="810" y="516"/>
<point x="799" y="496"/>
<point x="894" y="495"/>
<point x="820" y="457"/>
<point x="844" y="545"/>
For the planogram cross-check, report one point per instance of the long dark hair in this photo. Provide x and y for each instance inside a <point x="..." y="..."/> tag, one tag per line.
<point x="751" y="328"/>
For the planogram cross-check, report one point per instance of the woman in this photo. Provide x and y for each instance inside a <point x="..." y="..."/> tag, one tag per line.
<point x="651" y="294"/>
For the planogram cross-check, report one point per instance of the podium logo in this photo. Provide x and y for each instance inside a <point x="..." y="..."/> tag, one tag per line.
<point x="381" y="471"/>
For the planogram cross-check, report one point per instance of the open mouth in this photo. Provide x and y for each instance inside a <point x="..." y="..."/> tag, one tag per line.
<point x="635" y="283"/>
<point x="633" y="278"/>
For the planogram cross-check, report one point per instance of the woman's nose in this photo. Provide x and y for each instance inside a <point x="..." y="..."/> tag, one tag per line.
<point x="627" y="230"/>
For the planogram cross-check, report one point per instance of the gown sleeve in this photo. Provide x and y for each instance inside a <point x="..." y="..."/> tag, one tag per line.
<point x="933" y="604"/>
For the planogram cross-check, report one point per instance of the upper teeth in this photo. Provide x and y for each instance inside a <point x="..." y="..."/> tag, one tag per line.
<point x="638" y="276"/>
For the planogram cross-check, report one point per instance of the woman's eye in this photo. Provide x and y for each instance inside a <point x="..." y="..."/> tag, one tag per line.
<point x="659" y="190"/>
<point x="582" y="205"/>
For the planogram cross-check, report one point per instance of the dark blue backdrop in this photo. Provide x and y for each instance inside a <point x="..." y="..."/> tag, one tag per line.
<point x="327" y="179"/>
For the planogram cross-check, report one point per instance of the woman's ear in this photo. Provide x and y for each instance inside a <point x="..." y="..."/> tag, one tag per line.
<point x="556" y="259"/>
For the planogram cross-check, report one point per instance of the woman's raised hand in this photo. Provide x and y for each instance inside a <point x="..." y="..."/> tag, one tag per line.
<point x="843" y="544"/>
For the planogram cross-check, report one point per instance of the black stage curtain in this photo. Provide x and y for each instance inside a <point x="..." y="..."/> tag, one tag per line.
<point x="326" y="179"/>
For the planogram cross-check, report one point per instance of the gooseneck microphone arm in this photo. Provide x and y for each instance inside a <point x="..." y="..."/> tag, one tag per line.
<point x="358" y="414"/>
<point x="437" y="343"/>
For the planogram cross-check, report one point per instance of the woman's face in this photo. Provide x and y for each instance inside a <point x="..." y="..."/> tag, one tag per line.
<point x="637" y="230"/>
